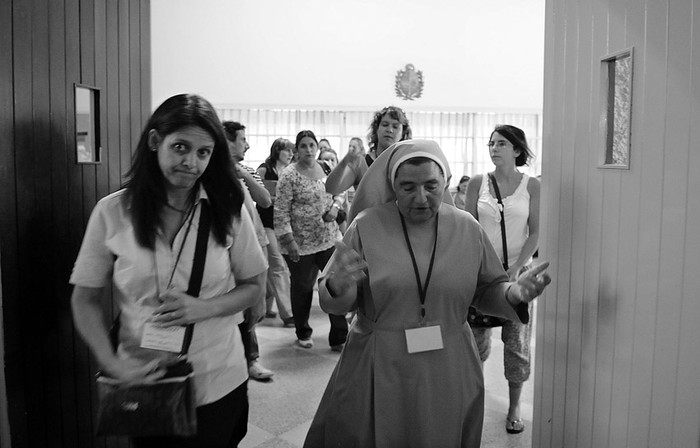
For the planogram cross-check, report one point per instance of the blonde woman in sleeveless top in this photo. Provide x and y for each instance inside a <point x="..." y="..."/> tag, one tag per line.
<point x="521" y="202"/>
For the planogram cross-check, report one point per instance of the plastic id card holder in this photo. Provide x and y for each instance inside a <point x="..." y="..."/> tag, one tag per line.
<point x="424" y="338"/>
<point x="169" y="339"/>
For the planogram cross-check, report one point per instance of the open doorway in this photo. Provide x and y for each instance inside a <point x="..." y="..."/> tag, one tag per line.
<point x="480" y="60"/>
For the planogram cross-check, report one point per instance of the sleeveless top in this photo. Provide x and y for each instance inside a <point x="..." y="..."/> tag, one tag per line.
<point x="516" y="211"/>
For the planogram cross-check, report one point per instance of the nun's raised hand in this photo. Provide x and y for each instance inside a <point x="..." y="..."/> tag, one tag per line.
<point x="531" y="283"/>
<point x="347" y="268"/>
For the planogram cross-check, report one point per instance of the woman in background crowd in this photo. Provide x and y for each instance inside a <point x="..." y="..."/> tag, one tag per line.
<point x="329" y="156"/>
<point x="323" y="145"/>
<point x="139" y="243"/>
<point x="278" y="281"/>
<point x="305" y="224"/>
<point x="356" y="148"/>
<point x="389" y="126"/>
<point x="521" y="209"/>
<point x="460" y="195"/>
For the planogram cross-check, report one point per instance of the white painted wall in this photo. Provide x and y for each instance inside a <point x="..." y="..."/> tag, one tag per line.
<point x="475" y="55"/>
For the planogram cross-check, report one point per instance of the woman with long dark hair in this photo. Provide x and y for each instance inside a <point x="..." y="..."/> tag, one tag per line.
<point x="140" y="243"/>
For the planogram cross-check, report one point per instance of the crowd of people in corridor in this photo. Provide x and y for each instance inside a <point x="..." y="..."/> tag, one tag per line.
<point x="377" y="230"/>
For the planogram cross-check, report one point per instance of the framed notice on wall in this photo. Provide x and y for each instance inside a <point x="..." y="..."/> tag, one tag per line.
<point x="616" y="109"/>
<point x="87" y="124"/>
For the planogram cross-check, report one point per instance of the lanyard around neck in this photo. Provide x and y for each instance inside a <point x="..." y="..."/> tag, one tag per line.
<point x="422" y="290"/>
<point x="189" y="219"/>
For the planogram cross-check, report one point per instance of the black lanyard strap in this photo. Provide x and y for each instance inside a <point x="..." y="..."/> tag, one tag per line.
<point x="422" y="290"/>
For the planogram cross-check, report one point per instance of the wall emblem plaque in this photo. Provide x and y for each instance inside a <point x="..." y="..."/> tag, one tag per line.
<point x="409" y="83"/>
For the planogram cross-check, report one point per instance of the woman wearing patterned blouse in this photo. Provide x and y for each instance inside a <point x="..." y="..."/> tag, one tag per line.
<point x="305" y="224"/>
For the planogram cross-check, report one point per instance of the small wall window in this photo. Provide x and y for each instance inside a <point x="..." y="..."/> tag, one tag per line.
<point x="87" y="124"/>
<point x="616" y="105"/>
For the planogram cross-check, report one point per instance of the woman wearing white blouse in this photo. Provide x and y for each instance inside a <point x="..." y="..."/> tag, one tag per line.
<point x="521" y="208"/>
<point x="140" y="243"/>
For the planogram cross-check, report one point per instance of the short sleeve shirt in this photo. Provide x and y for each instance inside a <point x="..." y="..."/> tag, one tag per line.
<point x="110" y="254"/>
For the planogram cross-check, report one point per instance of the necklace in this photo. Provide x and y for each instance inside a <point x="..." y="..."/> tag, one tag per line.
<point x="188" y="205"/>
<point x="176" y="209"/>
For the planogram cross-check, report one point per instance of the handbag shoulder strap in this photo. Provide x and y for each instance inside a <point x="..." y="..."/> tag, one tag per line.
<point x="200" y="252"/>
<point x="501" y="208"/>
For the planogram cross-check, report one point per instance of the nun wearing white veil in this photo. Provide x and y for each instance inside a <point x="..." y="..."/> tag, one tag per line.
<point x="410" y="265"/>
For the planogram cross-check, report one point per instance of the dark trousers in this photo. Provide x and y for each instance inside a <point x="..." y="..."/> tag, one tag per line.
<point x="221" y="424"/>
<point x="303" y="274"/>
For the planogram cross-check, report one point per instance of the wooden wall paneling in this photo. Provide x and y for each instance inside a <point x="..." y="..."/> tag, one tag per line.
<point x="39" y="235"/>
<point x="7" y="201"/>
<point x="112" y="146"/>
<point x="624" y="13"/>
<point x="587" y="251"/>
<point x="647" y="157"/>
<point x="686" y="413"/>
<point x="607" y="273"/>
<point x="61" y="256"/>
<point x="145" y="52"/>
<point x="567" y="128"/>
<point x="87" y="76"/>
<point x="11" y="389"/>
<point x="134" y="46"/>
<point x="124" y="79"/>
<point x="581" y="142"/>
<point x="544" y="353"/>
<point x="553" y="142"/>
<point x="590" y="250"/>
<point x="81" y="361"/>
<point x="24" y="161"/>
<point x="607" y="309"/>
<point x="673" y="231"/>
<point x="31" y="89"/>
<point x="102" y="170"/>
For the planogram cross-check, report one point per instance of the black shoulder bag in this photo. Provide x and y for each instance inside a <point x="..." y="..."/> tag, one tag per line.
<point x="167" y="406"/>
<point x="475" y="318"/>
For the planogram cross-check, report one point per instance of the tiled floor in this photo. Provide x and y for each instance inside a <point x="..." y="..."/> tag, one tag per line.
<point x="281" y="410"/>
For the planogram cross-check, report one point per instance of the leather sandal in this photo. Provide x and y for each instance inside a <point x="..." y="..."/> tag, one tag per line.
<point x="515" y="426"/>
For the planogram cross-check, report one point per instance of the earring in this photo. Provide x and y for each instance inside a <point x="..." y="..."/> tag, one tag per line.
<point x="154" y="149"/>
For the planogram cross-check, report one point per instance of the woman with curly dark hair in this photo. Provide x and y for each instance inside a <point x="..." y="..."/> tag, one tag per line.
<point x="389" y="126"/>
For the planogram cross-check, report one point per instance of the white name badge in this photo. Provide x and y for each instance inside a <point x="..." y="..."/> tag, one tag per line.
<point x="423" y="339"/>
<point x="169" y="339"/>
